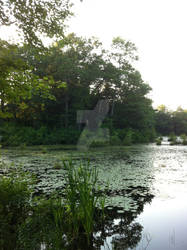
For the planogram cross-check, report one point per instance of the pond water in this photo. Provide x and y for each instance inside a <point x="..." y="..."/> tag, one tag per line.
<point x="145" y="185"/>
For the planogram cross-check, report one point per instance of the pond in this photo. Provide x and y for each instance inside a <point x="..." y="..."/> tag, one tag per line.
<point x="145" y="187"/>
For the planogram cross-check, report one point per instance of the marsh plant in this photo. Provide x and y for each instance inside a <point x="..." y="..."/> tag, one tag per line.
<point x="159" y="141"/>
<point x="81" y="197"/>
<point x="57" y="165"/>
<point x="63" y="223"/>
<point x="44" y="150"/>
<point x="173" y="139"/>
<point x="23" y="146"/>
<point x="184" y="139"/>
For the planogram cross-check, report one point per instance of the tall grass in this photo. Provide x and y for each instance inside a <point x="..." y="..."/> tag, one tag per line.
<point x="68" y="222"/>
<point x="81" y="198"/>
<point x="57" y="223"/>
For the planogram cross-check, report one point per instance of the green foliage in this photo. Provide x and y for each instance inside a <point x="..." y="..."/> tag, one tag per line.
<point x="158" y="141"/>
<point x="62" y="224"/>
<point x="52" y="93"/>
<point x="14" y="207"/>
<point x="46" y="226"/>
<point x="14" y="135"/>
<point x="81" y="198"/>
<point x="171" y="122"/>
<point x="115" y="140"/>
<point x="93" y="138"/>
<point x="127" y="141"/>
<point x="23" y="146"/>
<point x="98" y="143"/>
<point x="173" y="139"/>
<point x="33" y="18"/>
<point x="57" y="165"/>
<point x="163" y="119"/>
<point x="184" y="139"/>
<point x="44" y="150"/>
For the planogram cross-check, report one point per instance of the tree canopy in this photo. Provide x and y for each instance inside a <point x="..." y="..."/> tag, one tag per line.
<point x="46" y="87"/>
<point x="34" y="18"/>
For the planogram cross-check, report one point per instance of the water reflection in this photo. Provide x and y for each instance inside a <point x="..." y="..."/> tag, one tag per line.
<point x="118" y="230"/>
<point x="166" y="223"/>
<point x="134" y="175"/>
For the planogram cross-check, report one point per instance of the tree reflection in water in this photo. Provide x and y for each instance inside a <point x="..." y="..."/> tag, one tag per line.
<point x="117" y="229"/>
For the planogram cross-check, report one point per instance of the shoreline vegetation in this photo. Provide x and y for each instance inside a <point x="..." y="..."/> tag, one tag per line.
<point x="19" y="136"/>
<point x="14" y="135"/>
<point x="27" y="221"/>
<point x="63" y="220"/>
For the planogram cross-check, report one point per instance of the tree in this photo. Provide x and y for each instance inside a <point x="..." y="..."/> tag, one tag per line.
<point x="17" y="82"/>
<point x="163" y="120"/>
<point x="180" y="121"/>
<point x="34" y="18"/>
<point x="72" y="61"/>
<point x="92" y="73"/>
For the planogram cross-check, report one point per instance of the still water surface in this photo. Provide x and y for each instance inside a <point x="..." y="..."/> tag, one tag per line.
<point x="147" y="186"/>
<point x="164" y="220"/>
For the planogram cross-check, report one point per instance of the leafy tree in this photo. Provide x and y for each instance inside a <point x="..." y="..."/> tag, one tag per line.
<point x="17" y="82"/>
<point x="163" y="120"/>
<point x="92" y="73"/>
<point x="180" y="121"/>
<point x="34" y="18"/>
<point x="168" y="122"/>
<point x="74" y="74"/>
<point x="72" y="62"/>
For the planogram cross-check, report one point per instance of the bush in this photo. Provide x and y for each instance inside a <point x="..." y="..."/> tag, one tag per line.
<point x="128" y="138"/>
<point x="14" y="135"/>
<point x="173" y="139"/>
<point x="184" y="139"/>
<point x="93" y="138"/>
<point x="97" y="143"/>
<point x="158" y="141"/>
<point x="115" y="141"/>
<point x="139" y="137"/>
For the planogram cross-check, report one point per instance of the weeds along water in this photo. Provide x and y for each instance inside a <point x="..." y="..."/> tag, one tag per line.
<point x="29" y="221"/>
<point x="84" y="213"/>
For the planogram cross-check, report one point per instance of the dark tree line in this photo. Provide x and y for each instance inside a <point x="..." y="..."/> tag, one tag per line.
<point x="47" y="88"/>
<point x="171" y="122"/>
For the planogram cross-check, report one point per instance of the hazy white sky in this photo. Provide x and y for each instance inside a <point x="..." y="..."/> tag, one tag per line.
<point x="159" y="30"/>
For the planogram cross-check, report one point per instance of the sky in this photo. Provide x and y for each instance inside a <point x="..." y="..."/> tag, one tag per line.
<point x="159" y="30"/>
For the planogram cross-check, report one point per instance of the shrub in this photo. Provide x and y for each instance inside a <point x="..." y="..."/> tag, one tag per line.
<point x="98" y="143"/>
<point x="158" y="141"/>
<point x="184" y="139"/>
<point x="173" y="139"/>
<point x="128" y="138"/>
<point x="16" y="135"/>
<point x="114" y="140"/>
<point x="57" y="165"/>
